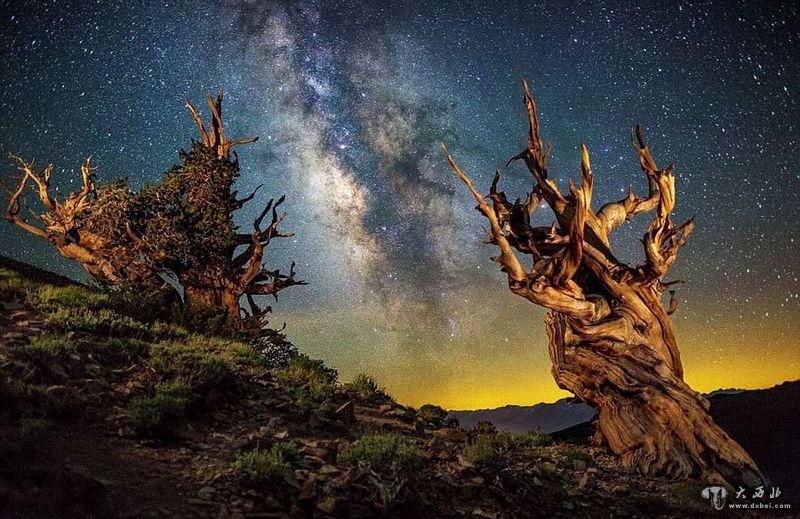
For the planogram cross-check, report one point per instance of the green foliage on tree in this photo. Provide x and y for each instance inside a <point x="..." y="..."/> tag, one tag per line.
<point x="181" y="229"/>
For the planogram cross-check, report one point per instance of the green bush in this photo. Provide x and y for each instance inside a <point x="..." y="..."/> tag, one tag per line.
<point x="389" y="455"/>
<point x="101" y="322"/>
<point x="164" y="330"/>
<point x="484" y="427"/>
<point x="433" y="415"/>
<point x="302" y="370"/>
<point x="163" y="409"/>
<point x="367" y="388"/>
<point x="199" y="368"/>
<point x="573" y="454"/>
<point x="145" y="304"/>
<point x="272" y="464"/>
<point x="11" y="282"/>
<point x="273" y="350"/>
<point x="122" y="349"/>
<point x="311" y="382"/>
<point x="488" y="447"/>
<point x="313" y="396"/>
<point x="50" y="347"/>
<point x="536" y="439"/>
<point x="482" y="450"/>
<point x="50" y="297"/>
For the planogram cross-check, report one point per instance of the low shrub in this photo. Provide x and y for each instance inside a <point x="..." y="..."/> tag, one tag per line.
<point x="483" y="449"/>
<point x="271" y="464"/>
<point x="488" y="447"/>
<point x="433" y="415"/>
<point x="145" y="304"/>
<point x="12" y="284"/>
<point x="199" y="368"/>
<point x="273" y="350"/>
<point x="162" y="410"/>
<point x="121" y="349"/>
<point x="484" y="427"/>
<point x="49" y="347"/>
<point x="536" y="439"/>
<point x="573" y="454"/>
<point x="302" y="370"/>
<point x="313" y="396"/>
<point x="161" y="330"/>
<point x="203" y="318"/>
<point x="100" y="322"/>
<point x="50" y="297"/>
<point x="389" y="455"/>
<point x="366" y="388"/>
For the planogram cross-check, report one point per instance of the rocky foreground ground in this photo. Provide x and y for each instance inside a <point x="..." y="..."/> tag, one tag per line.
<point x="104" y="415"/>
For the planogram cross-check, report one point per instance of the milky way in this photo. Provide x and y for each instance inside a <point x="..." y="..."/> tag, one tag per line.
<point x="350" y="101"/>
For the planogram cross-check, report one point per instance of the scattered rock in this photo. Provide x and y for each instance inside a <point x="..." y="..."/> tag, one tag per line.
<point x="347" y="413"/>
<point x="548" y="467"/>
<point x="620" y="489"/>
<point x="328" y="504"/>
<point x="206" y="493"/>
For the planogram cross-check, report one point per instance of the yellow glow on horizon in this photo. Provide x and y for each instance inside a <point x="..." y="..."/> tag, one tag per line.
<point x="501" y="358"/>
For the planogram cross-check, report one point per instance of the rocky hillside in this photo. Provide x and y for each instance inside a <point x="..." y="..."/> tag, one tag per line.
<point x="108" y="411"/>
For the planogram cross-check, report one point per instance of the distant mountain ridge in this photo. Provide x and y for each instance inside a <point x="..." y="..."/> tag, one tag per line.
<point x="549" y="417"/>
<point x="544" y="417"/>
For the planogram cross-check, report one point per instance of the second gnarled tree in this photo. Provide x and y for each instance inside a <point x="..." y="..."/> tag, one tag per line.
<point x="181" y="228"/>
<point x="611" y="340"/>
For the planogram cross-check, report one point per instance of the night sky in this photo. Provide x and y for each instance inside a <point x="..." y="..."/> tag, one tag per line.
<point x="350" y="101"/>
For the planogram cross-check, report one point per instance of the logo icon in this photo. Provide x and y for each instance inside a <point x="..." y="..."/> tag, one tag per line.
<point x="716" y="495"/>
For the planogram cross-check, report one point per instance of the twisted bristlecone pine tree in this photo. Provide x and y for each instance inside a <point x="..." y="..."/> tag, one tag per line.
<point x="611" y="340"/>
<point x="181" y="228"/>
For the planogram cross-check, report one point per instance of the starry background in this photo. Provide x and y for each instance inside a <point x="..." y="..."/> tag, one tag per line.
<point x="350" y="101"/>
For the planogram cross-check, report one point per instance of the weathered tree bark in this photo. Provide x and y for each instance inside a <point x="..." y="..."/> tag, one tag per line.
<point x="611" y="340"/>
<point x="182" y="228"/>
<point x="238" y="274"/>
<point x="67" y="224"/>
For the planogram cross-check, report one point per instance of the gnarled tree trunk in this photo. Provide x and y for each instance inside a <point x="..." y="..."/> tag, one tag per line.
<point x="647" y="414"/>
<point x="221" y="297"/>
<point x="611" y="340"/>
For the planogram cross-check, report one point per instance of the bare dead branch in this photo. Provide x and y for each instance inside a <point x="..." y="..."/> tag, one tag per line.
<point x="614" y="214"/>
<point x="214" y="137"/>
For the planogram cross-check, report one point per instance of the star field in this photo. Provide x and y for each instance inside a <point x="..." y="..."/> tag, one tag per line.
<point x="350" y="100"/>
